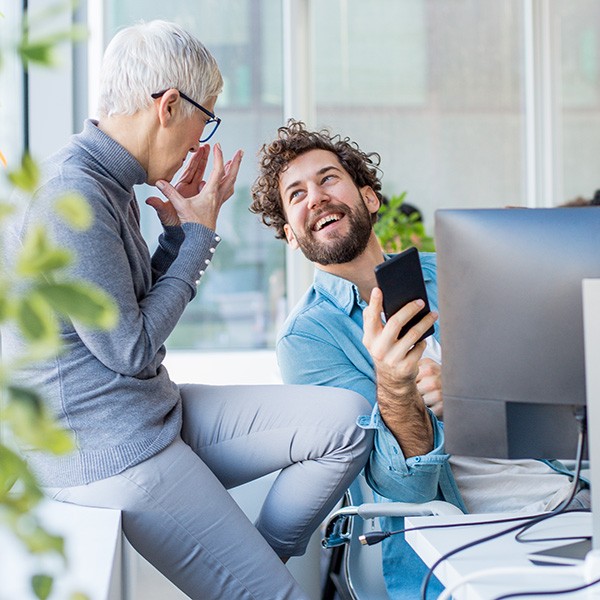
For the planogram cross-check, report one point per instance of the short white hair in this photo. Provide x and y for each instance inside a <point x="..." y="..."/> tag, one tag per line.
<point x="152" y="57"/>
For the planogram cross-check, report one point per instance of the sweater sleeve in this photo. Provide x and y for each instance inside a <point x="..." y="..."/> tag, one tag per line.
<point x="169" y="242"/>
<point x="113" y="255"/>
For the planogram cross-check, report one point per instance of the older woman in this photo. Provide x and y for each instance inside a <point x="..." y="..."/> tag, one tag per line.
<point x="164" y="454"/>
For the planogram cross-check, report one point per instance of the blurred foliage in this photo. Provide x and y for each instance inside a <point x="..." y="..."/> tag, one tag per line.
<point x="397" y="231"/>
<point x="36" y="293"/>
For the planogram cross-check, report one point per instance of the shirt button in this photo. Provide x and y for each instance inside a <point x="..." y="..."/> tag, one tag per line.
<point x="207" y="261"/>
<point x="217" y="238"/>
<point x="212" y="250"/>
<point x="201" y="273"/>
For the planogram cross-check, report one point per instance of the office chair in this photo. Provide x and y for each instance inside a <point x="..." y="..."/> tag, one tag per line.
<point x="355" y="571"/>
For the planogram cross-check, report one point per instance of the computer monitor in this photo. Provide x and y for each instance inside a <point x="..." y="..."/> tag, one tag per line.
<point x="510" y="300"/>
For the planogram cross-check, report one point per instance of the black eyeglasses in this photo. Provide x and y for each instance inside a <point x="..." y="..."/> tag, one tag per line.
<point x="210" y="126"/>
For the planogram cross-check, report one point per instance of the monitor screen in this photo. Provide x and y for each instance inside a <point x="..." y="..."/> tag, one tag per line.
<point x="510" y="301"/>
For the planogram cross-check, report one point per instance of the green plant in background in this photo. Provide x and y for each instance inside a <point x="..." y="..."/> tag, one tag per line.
<point x="397" y="231"/>
<point x="35" y="294"/>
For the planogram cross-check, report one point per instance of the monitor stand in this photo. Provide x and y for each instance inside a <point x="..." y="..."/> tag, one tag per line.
<point x="570" y="554"/>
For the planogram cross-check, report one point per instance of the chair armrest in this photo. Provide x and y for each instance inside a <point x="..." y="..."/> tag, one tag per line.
<point x="337" y="531"/>
<point x="407" y="509"/>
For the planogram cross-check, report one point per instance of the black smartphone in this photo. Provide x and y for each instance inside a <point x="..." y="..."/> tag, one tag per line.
<point x="400" y="278"/>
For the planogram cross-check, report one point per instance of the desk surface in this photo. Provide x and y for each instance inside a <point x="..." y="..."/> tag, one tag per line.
<point x="505" y="551"/>
<point x="92" y="545"/>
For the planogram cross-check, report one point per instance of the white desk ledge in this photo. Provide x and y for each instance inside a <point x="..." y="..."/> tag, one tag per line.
<point x="92" y="545"/>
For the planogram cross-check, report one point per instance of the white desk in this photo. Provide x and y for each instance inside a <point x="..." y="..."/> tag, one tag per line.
<point x="431" y="544"/>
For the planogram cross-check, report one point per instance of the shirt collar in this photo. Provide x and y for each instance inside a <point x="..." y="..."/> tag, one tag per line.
<point x="343" y="293"/>
<point x="339" y="291"/>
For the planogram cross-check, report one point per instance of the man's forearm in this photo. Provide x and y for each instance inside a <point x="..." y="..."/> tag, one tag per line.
<point x="406" y="416"/>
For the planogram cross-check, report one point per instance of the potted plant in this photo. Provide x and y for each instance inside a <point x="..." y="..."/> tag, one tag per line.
<point x="400" y="226"/>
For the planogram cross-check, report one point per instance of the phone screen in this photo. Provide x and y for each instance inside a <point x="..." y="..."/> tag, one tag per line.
<point x="400" y="278"/>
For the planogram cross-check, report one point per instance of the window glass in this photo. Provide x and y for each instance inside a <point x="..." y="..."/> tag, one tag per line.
<point x="578" y="37"/>
<point x="436" y="88"/>
<point x="240" y="301"/>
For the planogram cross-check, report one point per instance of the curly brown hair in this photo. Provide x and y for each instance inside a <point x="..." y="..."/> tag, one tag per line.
<point x="292" y="141"/>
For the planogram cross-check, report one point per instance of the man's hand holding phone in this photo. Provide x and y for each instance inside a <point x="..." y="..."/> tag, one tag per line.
<point x="400" y="278"/>
<point x="397" y="368"/>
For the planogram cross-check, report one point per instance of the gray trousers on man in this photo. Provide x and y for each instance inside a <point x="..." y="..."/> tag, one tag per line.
<point x="179" y="516"/>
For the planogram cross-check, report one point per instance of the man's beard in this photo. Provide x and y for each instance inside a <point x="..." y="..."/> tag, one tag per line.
<point x="339" y="249"/>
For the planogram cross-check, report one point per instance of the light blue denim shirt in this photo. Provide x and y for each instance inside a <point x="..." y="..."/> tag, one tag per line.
<point x="321" y="344"/>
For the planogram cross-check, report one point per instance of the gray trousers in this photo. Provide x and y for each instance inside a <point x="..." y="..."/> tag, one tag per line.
<point x="179" y="516"/>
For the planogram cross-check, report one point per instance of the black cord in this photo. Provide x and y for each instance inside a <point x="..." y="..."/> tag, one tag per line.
<point x="374" y="537"/>
<point x="580" y="416"/>
<point x="562" y="508"/>
<point x="471" y="544"/>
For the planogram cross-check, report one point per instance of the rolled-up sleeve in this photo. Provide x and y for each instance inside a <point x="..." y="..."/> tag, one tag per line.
<point x="390" y="474"/>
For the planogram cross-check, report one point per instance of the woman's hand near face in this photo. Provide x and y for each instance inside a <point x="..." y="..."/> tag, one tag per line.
<point x="208" y="196"/>
<point x="190" y="183"/>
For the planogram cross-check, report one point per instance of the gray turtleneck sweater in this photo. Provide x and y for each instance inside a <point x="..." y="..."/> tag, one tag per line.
<point x="109" y="387"/>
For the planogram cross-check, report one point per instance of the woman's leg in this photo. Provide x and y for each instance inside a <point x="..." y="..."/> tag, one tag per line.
<point x="180" y="518"/>
<point x="310" y="433"/>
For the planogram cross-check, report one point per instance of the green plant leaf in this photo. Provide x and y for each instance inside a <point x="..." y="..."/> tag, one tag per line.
<point x="42" y="586"/>
<point x="27" y="176"/>
<point x="39" y="541"/>
<point x="37" y="321"/>
<point x="12" y="469"/>
<point x="45" y="14"/>
<point x="75" y="210"/>
<point x="6" y="209"/>
<point x="79" y="596"/>
<point x="397" y="231"/>
<point x="29" y="399"/>
<point x="39" y="256"/>
<point x="10" y="466"/>
<point x="31" y="423"/>
<point x="41" y="50"/>
<point x="40" y="53"/>
<point x="4" y="306"/>
<point x="81" y="302"/>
